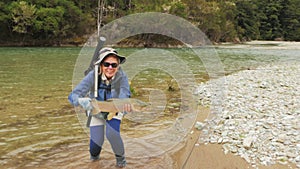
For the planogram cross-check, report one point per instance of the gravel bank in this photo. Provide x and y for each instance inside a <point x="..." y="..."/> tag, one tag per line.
<point x="259" y="117"/>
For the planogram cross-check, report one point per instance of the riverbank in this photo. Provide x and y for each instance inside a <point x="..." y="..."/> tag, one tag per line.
<point x="259" y="121"/>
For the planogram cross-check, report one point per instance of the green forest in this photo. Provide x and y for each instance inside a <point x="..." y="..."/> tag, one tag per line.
<point x="59" y="22"/>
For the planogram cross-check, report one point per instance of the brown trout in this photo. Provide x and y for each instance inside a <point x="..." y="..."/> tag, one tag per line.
<point x="113" y="106"/>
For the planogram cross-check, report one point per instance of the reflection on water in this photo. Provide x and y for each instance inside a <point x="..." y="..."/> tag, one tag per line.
<point x="39" y="129"/>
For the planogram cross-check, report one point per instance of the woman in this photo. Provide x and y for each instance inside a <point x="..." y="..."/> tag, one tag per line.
<point x="106" y="81"/>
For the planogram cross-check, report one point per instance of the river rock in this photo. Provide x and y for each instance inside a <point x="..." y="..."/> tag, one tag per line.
<point x="248" y="142"/>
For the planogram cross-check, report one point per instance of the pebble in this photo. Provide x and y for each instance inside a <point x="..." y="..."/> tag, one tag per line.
<point x="199" y="125"/>
<point x="258" y="118"/>
<point x="248" y="142"/>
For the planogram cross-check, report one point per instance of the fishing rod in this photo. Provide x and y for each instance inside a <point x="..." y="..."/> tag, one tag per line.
<point x="99" y="46"/>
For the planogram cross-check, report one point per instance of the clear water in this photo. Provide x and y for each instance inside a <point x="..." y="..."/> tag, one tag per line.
<point x="39" y="129"/>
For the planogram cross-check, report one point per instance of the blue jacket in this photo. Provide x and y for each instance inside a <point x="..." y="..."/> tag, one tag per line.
<point x="119" y="88"/>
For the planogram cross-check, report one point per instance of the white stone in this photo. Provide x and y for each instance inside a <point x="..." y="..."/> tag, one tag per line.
<point x="297" y="159"/>
<point x="248" y="142"/>
<point x="199" y="125"/>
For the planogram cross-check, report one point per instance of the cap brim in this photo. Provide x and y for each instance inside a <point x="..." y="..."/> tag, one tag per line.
<point x="105" y="54"/>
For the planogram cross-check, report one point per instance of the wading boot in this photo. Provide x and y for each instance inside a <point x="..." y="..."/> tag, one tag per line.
<point x="121" y="161"/>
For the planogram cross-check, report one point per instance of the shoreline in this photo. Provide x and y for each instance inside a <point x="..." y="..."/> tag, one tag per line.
<point x="249" y="44"/>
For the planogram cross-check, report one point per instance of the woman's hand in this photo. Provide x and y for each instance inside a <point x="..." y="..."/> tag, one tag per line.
<point x="127" y="108"/>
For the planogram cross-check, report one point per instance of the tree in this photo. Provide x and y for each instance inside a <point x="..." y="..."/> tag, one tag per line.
<point x="247" y="20"/>
<point x="290" y="19"/>
<point x="178" y="8"/>
<point x="23" y="16"/>
<point x="5" y="19"/>
<point x="48" y="23"/>
<point x="270" y="26"/>
<point x="100" y="15"/>
<point x="227" y="20"/>
<point x="215" y="18"/>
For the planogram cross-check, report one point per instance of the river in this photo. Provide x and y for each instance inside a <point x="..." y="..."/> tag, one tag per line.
<point x="39" y="129"/>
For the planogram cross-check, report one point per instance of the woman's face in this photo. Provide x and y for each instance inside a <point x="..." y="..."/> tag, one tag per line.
<point x="110" y="66"/>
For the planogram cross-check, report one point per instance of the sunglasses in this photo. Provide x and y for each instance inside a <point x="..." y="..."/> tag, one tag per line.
<point x="113" y="65"/>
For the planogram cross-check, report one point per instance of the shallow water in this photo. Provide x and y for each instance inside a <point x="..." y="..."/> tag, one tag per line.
<point x="39" y="129"/>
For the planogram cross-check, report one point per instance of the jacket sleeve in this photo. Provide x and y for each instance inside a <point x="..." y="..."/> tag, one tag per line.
<point x="82" y="89"/>
<point x="124" y="88"/>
